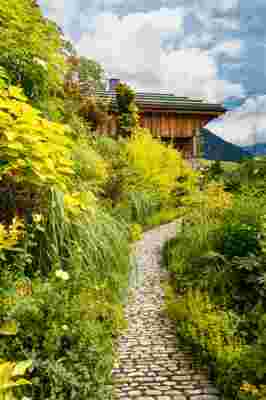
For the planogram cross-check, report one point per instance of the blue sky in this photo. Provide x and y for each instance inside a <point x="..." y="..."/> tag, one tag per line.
<point x="213" y="49"/>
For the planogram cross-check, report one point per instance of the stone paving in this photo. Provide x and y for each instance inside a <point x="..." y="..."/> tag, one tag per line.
<point x="150" y="364"/>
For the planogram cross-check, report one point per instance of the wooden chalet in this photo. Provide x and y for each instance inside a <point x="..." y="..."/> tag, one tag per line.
<point x="172" y="118"/>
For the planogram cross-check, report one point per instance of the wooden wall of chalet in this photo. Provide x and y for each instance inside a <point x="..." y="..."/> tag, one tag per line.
<point x="172" y="124"/>
<point x="179" y="128"/>
<point x="165" y="124"/>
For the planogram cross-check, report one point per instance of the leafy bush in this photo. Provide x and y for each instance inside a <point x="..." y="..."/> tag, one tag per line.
<point x="127" y="110"/>
<point x="208" y="206"/>
<point x="213" y="332"/>
<point x="30" y="49"/>
<point x="137" y="207"/>
<point x="218" y="263"/>
<point x="160" y="170"/>
<point x="239" y="240"/>
<point x="135" y="232"/>
<point x="34" y="151"/>
<point x="164" y="216"/>
<point x="250" y="176"/>
<point x="66" y="325"/>
<point x="91" y="170"/>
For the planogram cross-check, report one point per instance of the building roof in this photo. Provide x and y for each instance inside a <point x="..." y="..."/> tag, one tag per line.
<point x="163" y="101"/>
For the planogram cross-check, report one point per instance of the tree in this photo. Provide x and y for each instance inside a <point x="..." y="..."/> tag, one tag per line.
<point x="31" y="49"/>
<point x="91" y="71"/>
<point x="128" y="118"/>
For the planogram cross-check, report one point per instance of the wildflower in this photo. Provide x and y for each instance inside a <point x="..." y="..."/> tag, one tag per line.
<point x="248" y="387"/>
<point x="62" y="275"/>
<point x="64" y="327"/>
<point x="37" y="218"/>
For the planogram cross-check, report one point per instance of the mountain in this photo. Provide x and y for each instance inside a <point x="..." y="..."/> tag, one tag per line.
<point x="215" y="148"/>
<point x="257" y="149"/>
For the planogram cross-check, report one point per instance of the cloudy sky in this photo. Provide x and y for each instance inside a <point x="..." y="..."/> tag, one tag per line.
<point x="214" y="49"/>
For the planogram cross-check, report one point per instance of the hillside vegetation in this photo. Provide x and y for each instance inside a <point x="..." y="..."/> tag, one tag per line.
<point x="218" y="268"/>
<point x="71" y="204"/>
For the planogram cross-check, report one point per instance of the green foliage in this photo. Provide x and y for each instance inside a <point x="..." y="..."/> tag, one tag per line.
<point x="213" y="332"/>
<point x="218" y="264"/>
<point x="30" y="48"/>
<point x="161" y="169"/>
<point x="239" y="240"/>
<point x="74" y="256"/>
<point x="10" y="372"/>
<point x="10" y="378"/>
<point x="91" y="170"/>
<point x="135" y="232"/>
<point x="67" y="324"/>
<point x="164" y="216"/>
<point x="127" y="110"/>
<point x="138" y="206"/>
<point x="91" y="71"/>
<point x="250" y="176"/>
<point x="33" y="150"/>
<point x="94" y="111"/>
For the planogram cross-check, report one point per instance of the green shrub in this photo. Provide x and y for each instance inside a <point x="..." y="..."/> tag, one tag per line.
<point x="164" y="216"/>
<point x="66" y="326"/>
<point x="135" y="232"/>
<point x="161" y="169"/>
<point x="71" y="355"/>
<point x="89" y="166"/>
<point x="250" y="176"/>
<point x="31" y="48"/>
<point x="213" y="332"/>
<point x="218" y="264"/>
<point x="138" y="207"/>
<point x="239" y="240"/>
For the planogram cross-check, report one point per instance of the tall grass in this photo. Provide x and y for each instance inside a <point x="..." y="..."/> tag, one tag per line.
<point x="95" y="243"/>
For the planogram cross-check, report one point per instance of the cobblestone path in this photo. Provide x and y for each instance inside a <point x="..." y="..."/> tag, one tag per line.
<point x="150" y="364"/>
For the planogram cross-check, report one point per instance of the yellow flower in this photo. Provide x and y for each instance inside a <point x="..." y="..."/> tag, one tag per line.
<point x="37" y="218"/>
<point x="248" y="387"/>
<point x="62" y="275"/>
<point x="10" y="236"/>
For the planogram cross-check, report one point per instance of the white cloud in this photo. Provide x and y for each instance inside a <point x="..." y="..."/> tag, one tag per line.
<point x="56" y="9"/>
<point x="245" y="125"/>
<point x="229" y="48"/>
<point x="130" y="47"/>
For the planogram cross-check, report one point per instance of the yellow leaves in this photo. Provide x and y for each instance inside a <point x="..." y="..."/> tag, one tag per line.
<point x="249" y="388"/>
<point x="9" y="371"/>
<point x="78" y="202"/>
<point x="42" y="145"/>
<point x="209" y="205"/>
<point x="8" y="328"/>
<point x="15" y="92"/>
<point x="217" y="198"/>
<point x="157" y="166"/>
<point x="11" y="235"/>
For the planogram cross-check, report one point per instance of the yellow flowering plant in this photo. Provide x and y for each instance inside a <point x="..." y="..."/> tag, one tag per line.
<point x="34" y="150"/>
<point x="157" y="167"/>
<point x="9" y="236"/>
<point x="209" y="205"/>
<point x="78" y="202"/>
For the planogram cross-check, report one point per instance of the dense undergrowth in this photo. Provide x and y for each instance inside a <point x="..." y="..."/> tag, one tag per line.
<point x="71" y="204"/>
<point x="218" y="268"/>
